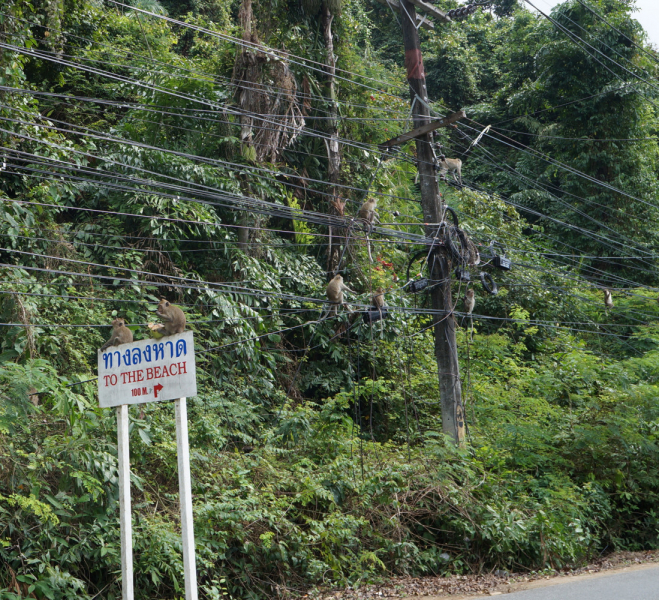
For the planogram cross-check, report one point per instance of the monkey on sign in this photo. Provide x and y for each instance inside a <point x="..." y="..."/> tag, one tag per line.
<point x="120" y="334"/>
<point x="173" y="320"/>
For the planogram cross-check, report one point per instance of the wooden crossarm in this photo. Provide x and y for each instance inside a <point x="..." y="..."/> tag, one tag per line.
<point x="395" y="4"/>
<point x="419" y="131"/>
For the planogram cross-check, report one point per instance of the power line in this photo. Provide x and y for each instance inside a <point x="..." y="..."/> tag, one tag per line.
<point x="586" y="232"/>
<point x="147" y="108"/>
<point x="573" y="139"/>
<point x="79" y="208"/>
<point x="231" y="286"/>
<point x="284" y="56"/>
<point x="652" y="55"/>
<point x="597" y="39"/>
<point x="537" y="112"/>
<point x="280" y="311"/>
<point x="605" y="241"/>
<point x="325" y="217"/>
<point x="528" y="150"/>
<point x="164" y="150"/>
<point x="574" y="37"/>
<point x="210" y="161"/>
<point x="96" y="210"/>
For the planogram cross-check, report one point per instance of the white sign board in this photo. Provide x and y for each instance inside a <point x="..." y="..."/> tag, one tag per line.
<point x="147" y="371"/>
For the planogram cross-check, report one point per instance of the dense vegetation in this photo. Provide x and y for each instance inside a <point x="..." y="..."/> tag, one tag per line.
<point x="133" y="168"/>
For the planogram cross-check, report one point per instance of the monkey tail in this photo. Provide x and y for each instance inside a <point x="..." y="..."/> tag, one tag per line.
<point x="368" y="246"/>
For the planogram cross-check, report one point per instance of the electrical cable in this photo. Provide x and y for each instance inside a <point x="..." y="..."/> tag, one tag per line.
<point x="161" y="149"/>
<point x="598" y="40"/>
<point x="652" y="55"/>
<point x="571" y="36"/>
<point x="212" y="162"/>
<point x="573" y="139"/>
<point x="588" y="233"/>
<point x="284" y="56"/>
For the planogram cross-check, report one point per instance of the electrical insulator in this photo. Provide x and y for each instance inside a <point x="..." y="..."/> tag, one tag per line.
<point x="457" y="14"/>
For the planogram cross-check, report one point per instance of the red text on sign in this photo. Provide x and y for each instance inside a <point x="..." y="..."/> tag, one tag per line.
<point x="110" y="380"/>
<point x="165" y="371"/>
<point x="147" y="374"/>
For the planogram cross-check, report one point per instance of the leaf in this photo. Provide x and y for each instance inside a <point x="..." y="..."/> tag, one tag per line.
<point x="145" y="436"/>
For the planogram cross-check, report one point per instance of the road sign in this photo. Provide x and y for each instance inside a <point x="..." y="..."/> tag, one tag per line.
<point x="147" y="371"/>
<point x="151" y="371"/>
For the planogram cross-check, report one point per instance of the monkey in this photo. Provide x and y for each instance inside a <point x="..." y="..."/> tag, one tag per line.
<point x="367" y="211"/>
<point x="378" y="302"/>
<point x="378" y="299"/>
<point x="451" y="165"/>
<point x="608" y="300"/>
<point x="335" y="289"/>
<point x="368" y="214"/>
<point x="173" y="317"/>
<point x="469" y="303"/>
<point x="33" y="396"/>
<point x="120" y="334"/>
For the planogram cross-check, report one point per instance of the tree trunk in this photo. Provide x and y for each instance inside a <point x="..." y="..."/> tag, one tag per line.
<point x="242" y="58"/>
<point x="333" y="155"/>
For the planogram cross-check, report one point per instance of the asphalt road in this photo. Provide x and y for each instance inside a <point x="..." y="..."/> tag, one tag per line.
<point x="641" y="584"/>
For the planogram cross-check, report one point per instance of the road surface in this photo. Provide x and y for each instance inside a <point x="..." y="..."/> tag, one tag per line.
<point x="636" y="583"/>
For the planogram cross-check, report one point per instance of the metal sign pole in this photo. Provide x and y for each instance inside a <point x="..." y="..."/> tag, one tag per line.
<point x="185" y="499"/>
<point x="124" y="503"/>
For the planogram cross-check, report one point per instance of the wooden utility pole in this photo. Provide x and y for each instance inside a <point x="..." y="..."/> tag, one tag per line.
<point x="446" y="350"/>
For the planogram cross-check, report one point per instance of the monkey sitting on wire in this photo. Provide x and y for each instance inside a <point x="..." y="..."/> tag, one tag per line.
<point x="335" y="289"/>
<point x="451" y="165"/>
<point x="377" y="302"/>
<point x="368" y="213"/>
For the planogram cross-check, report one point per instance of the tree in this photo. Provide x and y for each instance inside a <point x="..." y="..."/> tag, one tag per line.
<point x="586" y="72"/>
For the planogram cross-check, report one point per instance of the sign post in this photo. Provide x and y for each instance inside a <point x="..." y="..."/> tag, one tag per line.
<point x="124" y="503"/>
<point x="185" y="499"/>
<point x="151" y="371"/>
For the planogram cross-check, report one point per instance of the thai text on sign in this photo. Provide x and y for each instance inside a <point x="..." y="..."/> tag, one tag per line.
<point x="147" y="371"/>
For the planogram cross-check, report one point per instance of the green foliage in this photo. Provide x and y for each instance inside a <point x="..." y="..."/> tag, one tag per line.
<point x="316" y="455"/>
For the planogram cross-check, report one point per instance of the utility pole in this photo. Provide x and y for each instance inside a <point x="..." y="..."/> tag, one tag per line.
<point x="446" y="350"/>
